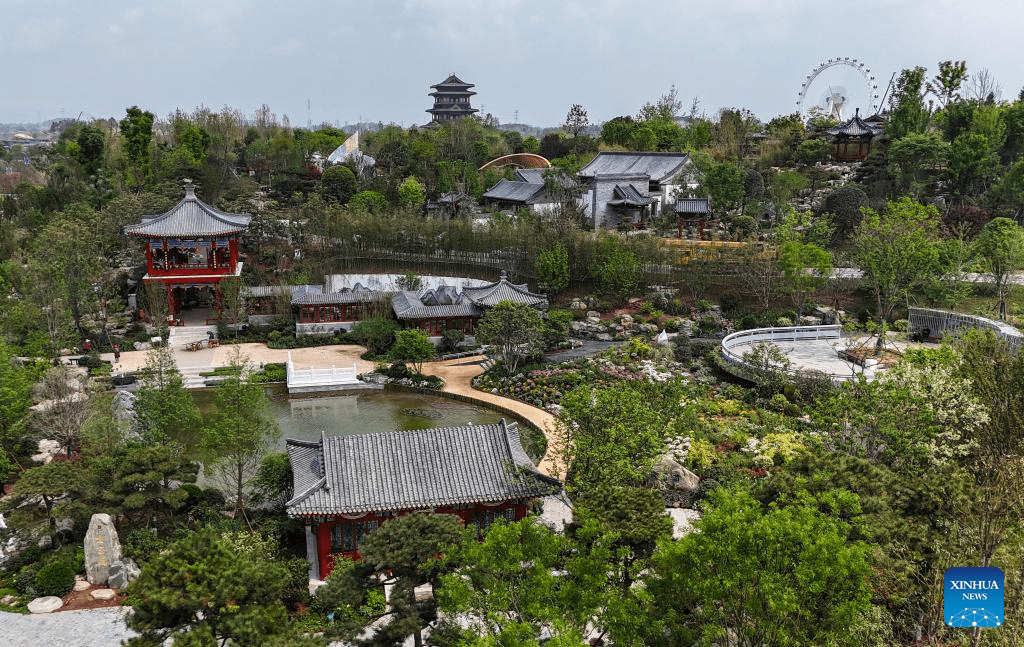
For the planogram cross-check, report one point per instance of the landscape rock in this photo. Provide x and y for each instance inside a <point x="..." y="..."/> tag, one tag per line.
<point x="81" y="584"/>
<point x="47" y="604"/>
<point x="8" y="599"/>
<point x="122" y="572"/>
<point x="678" y="485"/>
<point x="103" y="594"/>
<point x="593" y="314"/>
<point x="102" y="548"/>
<point x="682" y="521"/>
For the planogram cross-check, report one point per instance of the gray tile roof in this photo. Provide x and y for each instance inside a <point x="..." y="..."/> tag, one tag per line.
<point x="190" y="218"/>
<point x="407" y="470"/>
<point x="490" y="295"/>
<point x="407" y="305"/>
<point x="631" y="196"/>
<point x="512" y="191"/>
<point x="329" y="298"/>
<point x="659" y="167"/>
<point x="693" y="206"/>
<point x="541" y="175"/>
<point x="855" y="127"/>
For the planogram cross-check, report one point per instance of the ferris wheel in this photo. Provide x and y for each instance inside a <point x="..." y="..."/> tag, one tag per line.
<point x="836" y="100"/>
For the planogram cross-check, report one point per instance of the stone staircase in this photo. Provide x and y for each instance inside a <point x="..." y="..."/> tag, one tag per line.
<point x="191" y="378"/>
<point x="179" y="337"/>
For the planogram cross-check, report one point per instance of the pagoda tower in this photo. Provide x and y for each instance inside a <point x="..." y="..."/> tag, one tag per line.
<point x="451" y="100"/>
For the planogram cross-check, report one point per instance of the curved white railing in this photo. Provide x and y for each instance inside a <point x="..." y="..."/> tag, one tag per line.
<point x="748" y="338"/>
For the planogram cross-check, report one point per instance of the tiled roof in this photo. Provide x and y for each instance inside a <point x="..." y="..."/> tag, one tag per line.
<point x="693" y="205"/>
<point x="512" y="191"/>
<point x="407" y="470"/>
<point x="407" y="305"/>
<point x="315" y="295"/>
<point x="453" y="82"/>
<point x="190" y="218"/>
<point x="659" y="167"/>
<point x="490" y="295"/>
<point x="855" y="127"/>
<point x="630" y="195"/>
<point x="540" y="175"/>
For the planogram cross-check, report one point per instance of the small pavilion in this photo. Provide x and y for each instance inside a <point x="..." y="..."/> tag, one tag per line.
<point x="190" y="250"/>
<point x="853" y="139"/>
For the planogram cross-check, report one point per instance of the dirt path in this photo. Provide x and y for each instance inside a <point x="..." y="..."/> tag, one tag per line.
<point x="458" y="375"/>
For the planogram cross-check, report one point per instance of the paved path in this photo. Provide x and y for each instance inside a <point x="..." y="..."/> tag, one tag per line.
<point x="458" y="377"/>
<point x="84" y="628"/>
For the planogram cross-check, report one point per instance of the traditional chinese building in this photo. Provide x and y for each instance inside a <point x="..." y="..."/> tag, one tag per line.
<point x="624" y="189"/>
<point x="190" y="249"/>
<point x="451" y="100"/>
<point x="692" y="213"/>
<point x="347" y="486"/>
<point x="853" y="138"/>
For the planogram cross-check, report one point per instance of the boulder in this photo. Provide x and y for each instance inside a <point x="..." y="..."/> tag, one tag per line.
<point x="626" y="320"/>
<point x="48" y="604"/>
<point x="593" y="314"/>
<point x="678" y="484"/>
<point x="80" y="584"/>
<point x="103" y="594"/>
<point x="122" y="572"/>
<point x="102" y="548"/>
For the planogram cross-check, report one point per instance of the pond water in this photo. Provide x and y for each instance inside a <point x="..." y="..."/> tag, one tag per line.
<point x="370" y="412"/>
<point x="362" y="413"/>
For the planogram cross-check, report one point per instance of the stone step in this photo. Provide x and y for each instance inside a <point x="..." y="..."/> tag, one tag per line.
<point x="191" y="378"/>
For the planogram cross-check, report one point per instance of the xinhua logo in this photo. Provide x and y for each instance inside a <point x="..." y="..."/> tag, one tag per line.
<point x="973" y="597"/>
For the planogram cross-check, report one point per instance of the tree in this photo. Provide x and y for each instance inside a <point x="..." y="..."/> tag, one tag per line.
<point x="239" y="432"/>
<point x="509" y="587"/>
<point x="552" y="267"/>
<point x="844" y="204"/>
<point x="946" y="84"/>
<point x="916" y="154"/>
<point x="972" y="164"/>
<point x="723" y="183"/>
<point x="897" y="250"/>
<point x="413" y="347"/>
<point x="515" y="328"/>
<point x="787" y="575"/>
<point x="411" y="193"/>
<point x="376" y="333"/>
<point x="207" y="590"/>
<point x="163" y="407"/>
<point x="1001" y="247"/>
<point x="609" y="436"/>
<point x="15" y="400"/>
<point x="404" y="553"/>
<point x="66" y="408"/>
<point x="142" y="482"/>
<point x="907" y="111"/>
<point x="339" y="183"/>
<point x="805" y="268"/>
<point x="49" y="482"/>
<point x="576" y="121"/>
<point x="617" y="269"/>
<point x="137" y="133"/>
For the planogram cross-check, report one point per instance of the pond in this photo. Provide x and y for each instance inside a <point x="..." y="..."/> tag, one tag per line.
<point x="362" y="413"/>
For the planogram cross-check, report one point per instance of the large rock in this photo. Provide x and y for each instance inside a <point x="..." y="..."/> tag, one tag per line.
<point x="102" y="548"/>
<point x="48" y="604"/>
<point x="121" y="573"/>
<point x="678" y="484"/>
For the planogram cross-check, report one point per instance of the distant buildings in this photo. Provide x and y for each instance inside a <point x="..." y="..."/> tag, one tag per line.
<point x="451" y="100"/>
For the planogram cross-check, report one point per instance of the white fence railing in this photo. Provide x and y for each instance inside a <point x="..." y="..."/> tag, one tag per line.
<point x="749" y="338"/>
<point x="308" y="377"/>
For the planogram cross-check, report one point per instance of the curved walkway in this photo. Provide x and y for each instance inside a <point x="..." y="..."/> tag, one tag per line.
<point x="458" y="377"/>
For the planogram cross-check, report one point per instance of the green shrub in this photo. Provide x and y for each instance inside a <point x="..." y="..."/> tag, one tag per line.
<point x="900" y="325"/>
<point x="273" y="372"/>
<point x="56" y="578"/>
<point x="142" y="543"/>
<point x="25" y="580"/>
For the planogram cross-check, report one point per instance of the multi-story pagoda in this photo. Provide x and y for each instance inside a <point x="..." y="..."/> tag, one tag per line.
<point x="451" y="100"/>
<point x="190" y="250"/>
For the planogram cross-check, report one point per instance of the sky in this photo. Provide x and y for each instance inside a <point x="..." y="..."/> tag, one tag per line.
<point x="341" y="62"/>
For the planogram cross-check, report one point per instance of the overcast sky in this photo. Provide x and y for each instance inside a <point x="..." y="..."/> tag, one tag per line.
<point x="340" y="62"/>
